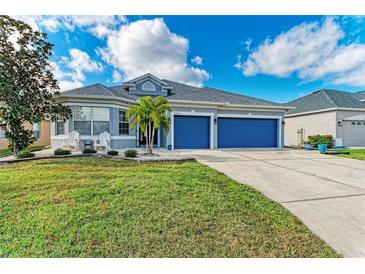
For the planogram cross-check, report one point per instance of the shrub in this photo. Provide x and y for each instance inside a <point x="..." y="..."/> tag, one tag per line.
<point x="24" y="154"/>
<point x="131" y="153"/>
<point x="61" y="151"/>
<point x="112" y="152"/>
<point x="89" y="151"/>
<point x="320" y="139"/>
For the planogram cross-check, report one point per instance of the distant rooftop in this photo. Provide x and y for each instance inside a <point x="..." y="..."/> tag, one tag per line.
<point x="325" y="99"/>
<point x="359" y="95"/>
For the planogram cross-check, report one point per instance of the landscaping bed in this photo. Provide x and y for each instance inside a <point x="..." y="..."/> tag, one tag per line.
<point x="90" y="207"/>
<point x="7" y="152"/>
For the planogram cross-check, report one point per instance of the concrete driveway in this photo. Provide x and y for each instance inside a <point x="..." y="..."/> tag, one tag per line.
<point x="326" y="192"/>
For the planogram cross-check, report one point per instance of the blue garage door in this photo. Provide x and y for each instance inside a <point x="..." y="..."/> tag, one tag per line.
<point x="191" y="131"/>
<point x="247" y="133"/>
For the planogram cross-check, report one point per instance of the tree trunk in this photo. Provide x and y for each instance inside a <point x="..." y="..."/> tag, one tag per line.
<point x="146" y="135"/>
<point x="149" y="138"/>
<point x="152" y="139"/>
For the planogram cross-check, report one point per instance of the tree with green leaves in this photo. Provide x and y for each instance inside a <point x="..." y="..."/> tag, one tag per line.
<point x="27" y="85"/>
<point x="150" y="114"/>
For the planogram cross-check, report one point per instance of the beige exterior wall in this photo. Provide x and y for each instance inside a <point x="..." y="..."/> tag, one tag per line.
<point x="43" y="140"/>
<point x="312" y="124"/>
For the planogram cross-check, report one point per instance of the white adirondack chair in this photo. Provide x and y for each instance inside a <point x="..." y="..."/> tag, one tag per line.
<point x="104" y="141"/>
<point x="74" y="139"/>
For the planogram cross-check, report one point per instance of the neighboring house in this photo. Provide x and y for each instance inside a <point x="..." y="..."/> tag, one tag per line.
<point x="201" y="117"/>
<point x="332" y="112"/>
<point x="41" y="131"/>
<point x="360" y="95"/>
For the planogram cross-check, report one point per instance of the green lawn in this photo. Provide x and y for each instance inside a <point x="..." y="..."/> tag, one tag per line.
<point x="93" y="207"/>
<point x="7" y="152"/>
<point x="358" y="154"/>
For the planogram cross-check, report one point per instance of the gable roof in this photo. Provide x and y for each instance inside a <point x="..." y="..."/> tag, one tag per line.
<point x="325" y="99"/>
<point x="145" y="76"/>
<point x="177" y="92"/>
<point x="360" y="95"/>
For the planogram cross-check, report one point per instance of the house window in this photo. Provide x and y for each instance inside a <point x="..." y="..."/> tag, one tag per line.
<point x="36" y="130"/>
<point x="82" y="120"/>
<point x="100" y="117"/>
<point x="353" y="123"/>
<point x="148" y="86"/>
<point x="60" y="128"/>
<point x="123" y="123"/>
<point x="91" y="121"/>
<point x="2" y="134"/>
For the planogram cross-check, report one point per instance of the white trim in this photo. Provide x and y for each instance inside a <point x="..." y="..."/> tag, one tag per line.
<point x="248" y="116"/>
<point x="94" y="137"/>
<point x="189" y="103"/>
<point x="59" y="137"/>
<point x="62" y="96"/>
<point x="152" y="85"/>
<point x="279" y="118"/>
<point x="220" y="104"/>
<point x="182" y="113"/>
<point x="96" y="105"/>
<point x="324" y="110"/>
<point x="123" y="137"/>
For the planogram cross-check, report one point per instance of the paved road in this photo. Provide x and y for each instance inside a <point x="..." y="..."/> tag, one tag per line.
<point x="326" y="192"/>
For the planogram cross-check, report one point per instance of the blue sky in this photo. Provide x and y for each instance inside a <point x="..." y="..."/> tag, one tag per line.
<point x="272" y="57"/>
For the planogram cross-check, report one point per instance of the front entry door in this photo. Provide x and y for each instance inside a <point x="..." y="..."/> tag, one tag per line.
<point x="142" y="138"/>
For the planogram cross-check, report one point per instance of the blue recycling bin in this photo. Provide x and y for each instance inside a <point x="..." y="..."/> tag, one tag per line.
<point x="322" y="148"/>
<point x="308" y="146"/>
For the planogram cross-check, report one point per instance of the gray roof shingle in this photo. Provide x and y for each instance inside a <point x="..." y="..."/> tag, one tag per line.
<point x="179" y="92"/>
<point x="208" y="94"/>
<point x="100" y="90"/>
<point x="359" y="95"/>
<point x="324" y="99"/>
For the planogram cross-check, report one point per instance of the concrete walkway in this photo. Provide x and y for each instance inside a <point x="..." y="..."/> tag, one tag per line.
<point x="326" y="192"/>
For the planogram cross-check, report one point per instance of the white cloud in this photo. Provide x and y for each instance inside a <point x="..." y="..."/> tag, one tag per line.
<point x="80" y="62"/>
<point x="149" y="46"/>
<point x="117" y="77"/>
<point x="312" y="51"/>
<point x="31" y="20"/>
<point x="51" y="24"/>
<point x="247" y="43"/>
<point x="77" y="64"/>
<point x="64" y="78"/>
<point x="197" y="60"/>
<point x="98" y="25"/>
<point x="67" y="84"/>
<point x="238" y="64"/>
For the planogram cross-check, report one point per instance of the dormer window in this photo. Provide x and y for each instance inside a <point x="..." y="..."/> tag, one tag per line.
<point x="148" y="86"/>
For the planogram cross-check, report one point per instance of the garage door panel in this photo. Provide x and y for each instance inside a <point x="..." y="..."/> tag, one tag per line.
<point x="353" y="134"/>
<point x="191" y="132"/>
<point x="247" y="133"/>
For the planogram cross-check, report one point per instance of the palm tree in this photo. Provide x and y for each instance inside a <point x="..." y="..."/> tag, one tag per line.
<point x="150" y="114"/>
